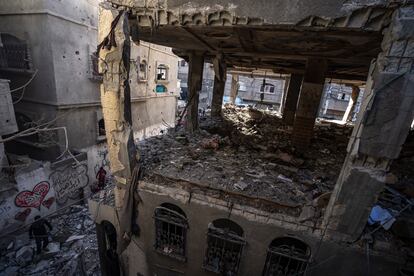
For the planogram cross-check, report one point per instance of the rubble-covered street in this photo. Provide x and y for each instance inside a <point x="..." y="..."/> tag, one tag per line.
<point x="72" y="249"/>
<point x="250" y="152"/>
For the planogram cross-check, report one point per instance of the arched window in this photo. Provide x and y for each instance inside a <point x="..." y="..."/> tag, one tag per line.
<point x="287" y="256"/>
<point x="224" y="247"/>
<point x="170" y="231"/>
<point x="162" y="72"/>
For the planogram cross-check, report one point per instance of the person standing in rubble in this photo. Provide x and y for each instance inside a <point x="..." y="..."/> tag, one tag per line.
<point x="101" y="176"/>
<point x="39" y="232"/>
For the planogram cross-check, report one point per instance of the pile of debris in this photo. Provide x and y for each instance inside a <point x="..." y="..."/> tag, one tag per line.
<point x="73" y="249"/>
<point x="249" y="151"/>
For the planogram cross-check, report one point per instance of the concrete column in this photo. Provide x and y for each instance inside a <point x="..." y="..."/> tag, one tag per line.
<point x="292" y="96"/>
<point x="114" y="59"/>
<point x="351" y="105"/>
<point x="308" y="103"/>
<point x="220" y="72"/>
<point x="379" y="133"/>
<point x="195" y="80"/>
<point x="283" y="97"/>
<point x="234" y="88"/>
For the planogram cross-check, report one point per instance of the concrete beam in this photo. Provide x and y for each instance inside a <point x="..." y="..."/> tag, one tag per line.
<point x="379" y="132"/>
<point x="195" y="79"/>
<point x="308" y="103"/>
<point x="114" y="63"/>
<point x="220" y="73"/>
<point x="292" y="96"/>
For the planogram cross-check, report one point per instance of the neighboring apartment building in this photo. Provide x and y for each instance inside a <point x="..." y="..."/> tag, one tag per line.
<point x="51" y="45"/>
<point x="250" y="87"/>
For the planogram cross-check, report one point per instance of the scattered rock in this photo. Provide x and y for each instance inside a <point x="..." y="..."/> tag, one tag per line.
<point x="241" y="185"/>
<point x="24" y="255"/>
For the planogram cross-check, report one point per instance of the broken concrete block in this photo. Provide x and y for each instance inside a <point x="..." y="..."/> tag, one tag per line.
<point x="322" y="200"/>
<point x="241" y="185"/>
<point x="75" y="238"/>
<point x="24" y="255"/>
<point x="284" y="178"/>
<point x="307" y="213"/>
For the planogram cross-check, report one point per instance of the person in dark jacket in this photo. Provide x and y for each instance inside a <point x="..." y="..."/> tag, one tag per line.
<point x="39" y="232"/>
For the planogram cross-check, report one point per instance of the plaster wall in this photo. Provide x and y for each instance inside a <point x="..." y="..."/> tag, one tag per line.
<point x="258" y="233"/>
<point x="41" y="188"/>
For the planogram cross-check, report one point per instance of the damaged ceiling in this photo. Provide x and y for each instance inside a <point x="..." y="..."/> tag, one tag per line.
<point x="265" y="35"/>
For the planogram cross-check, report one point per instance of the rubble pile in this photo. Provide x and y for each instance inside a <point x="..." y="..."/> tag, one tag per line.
<point x="249" y="151"/>
<point x="72" y="249"/>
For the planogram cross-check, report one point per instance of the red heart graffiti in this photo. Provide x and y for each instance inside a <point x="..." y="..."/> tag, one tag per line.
<point x="48" y="202"/>
<point x="22" y="216"/>
<point x="32" y="198"/>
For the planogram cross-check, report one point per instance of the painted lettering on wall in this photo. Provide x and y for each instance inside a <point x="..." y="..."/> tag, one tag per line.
<point x="33" y="198"/>
<point x="4" y="208"/>
<point x="68" y="181"/>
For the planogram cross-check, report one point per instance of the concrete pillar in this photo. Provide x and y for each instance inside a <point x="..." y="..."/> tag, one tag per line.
<point x="379" y="132"/>
<point x="283" y="97"/>
<point x="292" y="96"/>
<point x="195" y="80"/>
<point x="220" y="73"/>
<point x="234" y="88"/>
<point x="308" y="103"/>
<point x="349" y="112"/>
<point x="114" y="60"/>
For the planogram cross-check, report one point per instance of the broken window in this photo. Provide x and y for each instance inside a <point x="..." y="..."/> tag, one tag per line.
<point x="267" y="88"/>
<point x="162" y="72"/>
<point x="287" y="256"/>
<point x="143" y="68"/>
<point x="14" y="53"/>
<point x="224" y="247"/>
<point x="170" y="231"/>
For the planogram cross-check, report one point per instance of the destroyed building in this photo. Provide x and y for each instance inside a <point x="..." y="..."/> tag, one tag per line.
<point x="210" y="200"/>
<point x="47" y="56"/>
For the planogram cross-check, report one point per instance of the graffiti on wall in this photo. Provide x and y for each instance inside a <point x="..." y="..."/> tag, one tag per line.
<point x="68" y="181"/>
<point x="104" y="162"/>
<point x="33" y="199"/>
<point x="4" y="208"/>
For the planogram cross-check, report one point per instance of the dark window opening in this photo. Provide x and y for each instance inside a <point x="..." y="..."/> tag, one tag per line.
<point x="170" y="231"/>
<point x="267" y="88"/>
<point x="14" y="53"/>
<point x="111" y="259"/>
<point x="224" y="247"/>
<point x="162" y="72"/>
<point x="287" y="256"/>
<point x="101" y="128"/>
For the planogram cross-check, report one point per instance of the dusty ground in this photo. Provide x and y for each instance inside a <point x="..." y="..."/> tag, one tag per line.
<point x="66" y="257"/>
<point x="249" y="151"/>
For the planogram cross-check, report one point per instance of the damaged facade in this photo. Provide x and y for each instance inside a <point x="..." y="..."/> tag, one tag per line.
<point x="57" y="68"/>
<point x="206" y="202"/>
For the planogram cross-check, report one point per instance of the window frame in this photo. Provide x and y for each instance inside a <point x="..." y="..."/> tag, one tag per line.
<point x="287" y="252"/>
<point x="170" y="217"/>
<point x="226" y="236"/>
<point x="167" y="70"/>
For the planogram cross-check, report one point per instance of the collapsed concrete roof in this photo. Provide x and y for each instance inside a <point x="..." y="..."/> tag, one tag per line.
<point x="279" y="35"/>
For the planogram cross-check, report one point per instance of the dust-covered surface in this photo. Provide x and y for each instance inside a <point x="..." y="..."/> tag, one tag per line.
<point x="72" y="249"/>
<point x="249" y="152"/>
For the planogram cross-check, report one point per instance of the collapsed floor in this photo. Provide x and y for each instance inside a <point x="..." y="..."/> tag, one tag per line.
<point x="73" y="249"/>
<point x="249" y="152"/>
